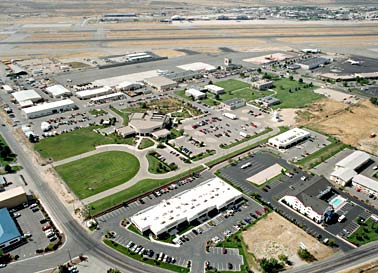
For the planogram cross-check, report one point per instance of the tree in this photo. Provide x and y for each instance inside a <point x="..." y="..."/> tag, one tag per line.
<point x="283" y="258"/>
<point x="259" y="70"/>
<point x="300" y="80"/>
<point x="291" y="77"/>
<point x="113" y="270"/>
<point x="270" y="265"/>
<point x="374" y="100"/>
<point x="8" y="169"/>
<point x="305" y="255"/>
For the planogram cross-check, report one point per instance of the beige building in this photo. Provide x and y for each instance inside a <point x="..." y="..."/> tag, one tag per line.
<point x="13" y="197"/>
<point x="161" y="83"/>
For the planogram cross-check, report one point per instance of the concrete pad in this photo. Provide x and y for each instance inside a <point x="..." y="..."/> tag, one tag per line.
<point x="266" y="174"/>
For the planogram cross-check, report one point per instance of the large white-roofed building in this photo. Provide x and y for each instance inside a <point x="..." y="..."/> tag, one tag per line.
<point x="109" y="97"/>
<point x="88" y="94"/>
<point x="25" y="95"/>
<point x="198" y="66"/>
<point x="196" y="94"/>
<point x="217" y="90"/>
<point x="347" y="168"/>
<point x="186" y="207"/>
<point x="353" y="161"/>
<point x="58" y="91"/>
<point x="126" y="86"/>
<point x="289" y="138"/>
<point x="49" y="108"/>
<point x="134" y="77"/>
<point x="366" y="184"/>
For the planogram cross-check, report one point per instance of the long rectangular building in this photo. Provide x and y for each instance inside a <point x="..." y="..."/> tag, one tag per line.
<point x="185" y="207"/>
<point x="289" y="138"/>
<point x="49" y="108"/>
<point x="87" y="94"/>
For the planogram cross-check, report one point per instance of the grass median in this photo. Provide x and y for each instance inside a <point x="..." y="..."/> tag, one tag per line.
<point x="139" y="188"/>
<point x="127" y="252"/>
<point x="322" y="155"/>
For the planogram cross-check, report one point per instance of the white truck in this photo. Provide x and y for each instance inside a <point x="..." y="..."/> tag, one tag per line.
<point x="243" y="134"/>
<point x="230" y="115"/>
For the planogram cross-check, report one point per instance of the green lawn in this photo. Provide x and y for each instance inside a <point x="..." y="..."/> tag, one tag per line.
<point x="203" y="155"/>
<point x="97" y="112"/>
<point x="124" y="115"/>
<point x="231" y="85"/>
<point x="75" y="143"/>
<point x="145" y="143"/>
<point x="97" y="173"/>
<point x="245" y="139"/>
<point x="366" y="233"/>
<point x="156" y="166"/>
<point x="321" y="155"/>
<point x="127" y="252"/>
<point x="293" y="99"/>
<point x="141" y="187"/>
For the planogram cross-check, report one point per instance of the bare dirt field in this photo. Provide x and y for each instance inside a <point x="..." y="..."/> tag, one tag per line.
<point x="352" y="124"/>
<point x="275" y="235"/>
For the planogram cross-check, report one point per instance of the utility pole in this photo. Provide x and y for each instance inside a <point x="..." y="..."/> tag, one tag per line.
<point x="69" y="255"/>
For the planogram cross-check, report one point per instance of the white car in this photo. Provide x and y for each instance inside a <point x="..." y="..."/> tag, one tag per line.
<point x="303" y="178"/>
<point x="27" y="235"/>
<point x="2" y="265"/>
<point x="16" y="214"/>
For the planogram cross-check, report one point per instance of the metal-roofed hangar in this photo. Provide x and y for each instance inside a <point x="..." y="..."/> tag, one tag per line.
<point x="186" y="207"/>
<point x="9" y="233"/>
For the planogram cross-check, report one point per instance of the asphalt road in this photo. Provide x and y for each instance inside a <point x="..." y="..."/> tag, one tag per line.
<point x="232" y="37"/>
<point x="78" y="240"/>
<point x="339" y="262"/>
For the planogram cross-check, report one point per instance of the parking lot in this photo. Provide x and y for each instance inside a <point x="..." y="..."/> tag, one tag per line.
<point x="193" y="241"/>
<point x="214" y="129"/>
<point x="29" y="222"/>
<point x="309" y="146"/>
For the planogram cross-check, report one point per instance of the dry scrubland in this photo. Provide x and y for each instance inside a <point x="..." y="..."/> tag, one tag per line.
<point x="275" y="235"/>
<point x="352" y="124"/>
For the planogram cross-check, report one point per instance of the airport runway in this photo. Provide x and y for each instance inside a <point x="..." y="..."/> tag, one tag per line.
<point x="242" y="27"/>
<point x="224" y="37"/>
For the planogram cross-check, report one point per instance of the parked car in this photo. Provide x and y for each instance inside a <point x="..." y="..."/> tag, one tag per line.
<point x="46" y="227"/>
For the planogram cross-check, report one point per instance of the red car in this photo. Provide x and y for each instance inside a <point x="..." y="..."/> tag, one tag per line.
<point x="46" y="227"/>
<point x="258" y="212"/>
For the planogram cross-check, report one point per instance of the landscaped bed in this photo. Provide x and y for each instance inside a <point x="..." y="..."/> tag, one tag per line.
<point x="125" y="251"/>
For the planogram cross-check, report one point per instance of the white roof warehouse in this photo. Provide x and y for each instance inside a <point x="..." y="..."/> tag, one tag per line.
<point x="289" y="138"/>
<point x="186" y="206"/>
<point x="49" y="108"/>
<point x="58" y="91"/>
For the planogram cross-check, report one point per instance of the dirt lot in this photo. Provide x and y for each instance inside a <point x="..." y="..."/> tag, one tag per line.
<point x="275" y="235"/>
<point x="352" y="124"/>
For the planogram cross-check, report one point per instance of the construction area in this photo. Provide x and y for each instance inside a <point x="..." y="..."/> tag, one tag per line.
<point x="330" y="117"/>
<point x="274" y="236"/>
